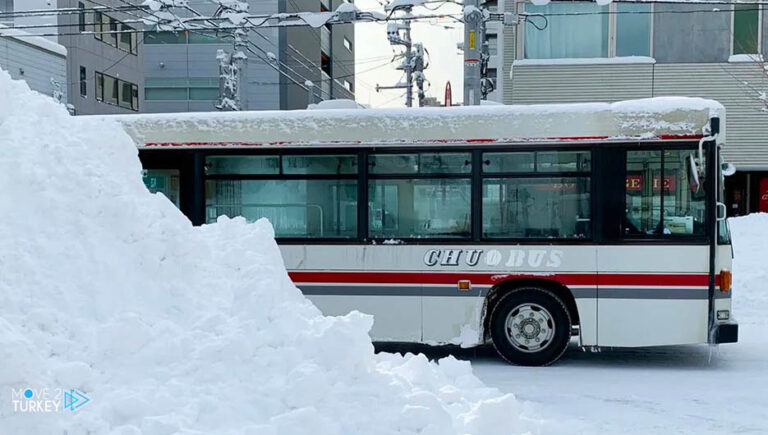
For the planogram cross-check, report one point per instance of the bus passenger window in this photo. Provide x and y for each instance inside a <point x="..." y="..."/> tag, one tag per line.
<point x="420" y="195"/>
<point x="418" y="208"/>
<point x="303" y="196"/>
<point x="660" y="200"/>
<point x="536" y="208"/>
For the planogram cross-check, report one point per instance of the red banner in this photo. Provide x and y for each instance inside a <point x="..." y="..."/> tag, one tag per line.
<point x="763" y="204"/>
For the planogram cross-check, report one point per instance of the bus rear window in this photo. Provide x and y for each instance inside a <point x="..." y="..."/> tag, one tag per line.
<point x="660" y="200"/>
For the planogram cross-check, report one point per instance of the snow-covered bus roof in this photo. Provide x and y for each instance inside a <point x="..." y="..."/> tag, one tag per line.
<point x="667" y="118"/>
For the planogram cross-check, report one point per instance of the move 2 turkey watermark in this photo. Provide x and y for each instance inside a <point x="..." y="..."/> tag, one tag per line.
<point x="39" y="400"/>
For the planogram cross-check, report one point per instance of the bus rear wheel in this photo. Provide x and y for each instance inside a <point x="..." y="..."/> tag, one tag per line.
<point x="530" y="327"/>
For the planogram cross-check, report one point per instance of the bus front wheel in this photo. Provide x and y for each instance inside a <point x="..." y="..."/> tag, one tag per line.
<point x="531" y="327"/>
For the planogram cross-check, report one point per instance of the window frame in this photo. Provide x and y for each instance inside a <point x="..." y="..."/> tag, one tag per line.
<point x="655" y="239"/>
<point x="100" y="82"/>
<point x="759" y="28"/>
<point x="607" y="194"/>
<point x="280" y="175"/>
<point x="535" y="174"/>
<point x="81" y="21"/>
<point x="612" y="33"/>
<point x="83" y="81"/>
<point x="97" y="26"/>
<point x="475" y="177"/>
<point x="366" y="236"/>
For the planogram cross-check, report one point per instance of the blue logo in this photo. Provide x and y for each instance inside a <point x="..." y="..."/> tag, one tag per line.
<point x="74" y="399"/>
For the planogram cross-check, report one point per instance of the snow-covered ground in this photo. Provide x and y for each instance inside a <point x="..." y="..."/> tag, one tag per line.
<point x="670" y="390"/>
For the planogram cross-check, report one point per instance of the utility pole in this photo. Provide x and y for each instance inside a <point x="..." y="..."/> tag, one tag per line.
<point x="232" y="65"/>
<point x="477" y="84"/>
<point x="474" y="40"/>
<point x="418" y="70"/>
<point x="413" y="65"/>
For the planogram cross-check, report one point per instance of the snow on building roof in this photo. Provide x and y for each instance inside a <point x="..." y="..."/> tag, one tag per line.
<point x="38" y="41"/>
<point x="647" y="119"/>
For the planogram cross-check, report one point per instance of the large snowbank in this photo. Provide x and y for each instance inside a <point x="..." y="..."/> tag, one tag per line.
<point x="169" y="328"/>
<point x="750" y="271"/>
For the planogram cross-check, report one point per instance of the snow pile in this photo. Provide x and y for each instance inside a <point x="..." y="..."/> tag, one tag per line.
<point x="750" y="273"/>
<point x="169" y="328"/>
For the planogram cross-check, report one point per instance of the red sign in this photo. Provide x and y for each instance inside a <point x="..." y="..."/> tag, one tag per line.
<point x="634" y="183"/>
<point x="763" y="204"/>
<point x="448" y="100"/>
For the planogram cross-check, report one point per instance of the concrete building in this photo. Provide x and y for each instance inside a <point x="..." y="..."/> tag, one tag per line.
<point x="181" y="70"/>
<point x="103" y="70"/>
<point x="36" y="60"/>
<point x="587" y="52"/>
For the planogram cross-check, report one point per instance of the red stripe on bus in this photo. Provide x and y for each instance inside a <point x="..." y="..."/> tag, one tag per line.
<point x="439" y="141"/>
<point x="363" y="277"/>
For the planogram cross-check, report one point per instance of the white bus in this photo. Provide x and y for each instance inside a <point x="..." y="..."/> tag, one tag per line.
<point x="517" y="225"/>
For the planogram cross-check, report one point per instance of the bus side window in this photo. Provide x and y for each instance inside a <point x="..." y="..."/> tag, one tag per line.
<point x="536" y="194"/>
<point x="303" y="196"/>
<point x="419" y="195"/>
<point x="660" y="201"/>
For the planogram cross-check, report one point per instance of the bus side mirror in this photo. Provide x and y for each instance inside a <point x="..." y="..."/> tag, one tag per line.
<point x="693" y="173"/>
<point x="727" y="169"/>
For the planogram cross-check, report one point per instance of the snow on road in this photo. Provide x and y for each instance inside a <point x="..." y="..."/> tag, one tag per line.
<point x="669" y="390"/>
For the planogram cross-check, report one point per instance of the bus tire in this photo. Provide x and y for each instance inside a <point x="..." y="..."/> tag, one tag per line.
<point x="530" y="326"/>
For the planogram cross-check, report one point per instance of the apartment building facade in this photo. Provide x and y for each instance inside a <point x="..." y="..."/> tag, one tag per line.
<point x="181" y="71"/>
<point x="103" y="54"/>
<point x="572" y="51"/>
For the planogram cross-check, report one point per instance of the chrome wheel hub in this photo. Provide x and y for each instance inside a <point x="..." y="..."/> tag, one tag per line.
<point x="530" y="327"/>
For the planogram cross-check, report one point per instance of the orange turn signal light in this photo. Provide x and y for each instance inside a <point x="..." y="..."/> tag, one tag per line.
<point x="465" y="285"/>
<point x="726" y="279"/>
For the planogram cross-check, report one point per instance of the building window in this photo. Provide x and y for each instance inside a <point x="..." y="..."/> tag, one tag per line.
<point x="83" y="82"/>
<point x="568" y="36"/>
<point x="124" y="38"/>
<point x="746" y="29"/>
<point x="492" y="72"/>
<point x="97" y="26"/>
<point x="116" y="92"/>
<point x="81" y="17"/>
<point x="347" y="44"/>
<point x="186" y="37"/>
<point x="180" y="89"/>
<point x="493" y="44"/>
<point x="633" y="29"/>
<point x="135" y="97"/>
<point x="325" y="63"/>
<point x="585" y="30"/>
<point x="114" y="33"/>
<point x="165" y="38"/>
